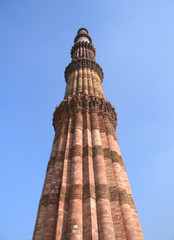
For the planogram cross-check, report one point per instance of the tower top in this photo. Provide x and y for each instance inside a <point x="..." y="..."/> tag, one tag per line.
<point x="82" y="30"/>
<point x="82" y="35"/>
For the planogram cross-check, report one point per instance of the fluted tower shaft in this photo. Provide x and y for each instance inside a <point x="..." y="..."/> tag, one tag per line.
<point x="86" y="193"/>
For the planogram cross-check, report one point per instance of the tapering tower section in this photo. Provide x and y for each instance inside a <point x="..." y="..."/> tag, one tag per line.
<point x="83" y="75"/>
<point x="86" y="193"/>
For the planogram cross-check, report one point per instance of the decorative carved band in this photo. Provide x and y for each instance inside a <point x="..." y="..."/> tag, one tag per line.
<point x="113" y="193"/>
<point x="50" y="198"/>
<point x="116" y="158"/>
<point x="77" y="151"/>
<point x="83" y="63"/>
<point x="85" y="103"/>
<point x="126" y="198"/>
<point x="64" y="194"/>
<point x="89" y="191"/>
<point x="87" y="151"/>
<point x="76" y="191"/>
<point x="97" y="150"/>
<point x="102" y="191"/>
<point x="106" y="153"/>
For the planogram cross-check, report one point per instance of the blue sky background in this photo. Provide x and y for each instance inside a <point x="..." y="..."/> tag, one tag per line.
<point x="135" y="47"/>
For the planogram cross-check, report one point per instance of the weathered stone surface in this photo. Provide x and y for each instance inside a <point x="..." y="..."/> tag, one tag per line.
<point x="68" y="154"/>
<point x="106" y="153"/>
<point x="116" y="158"/>
<point x="97" y="150"/>
<point x="89" y="191"/>
<point x="113" y="194"/>
<point x="51" y="198"/>
<point x="77" y="151"/>
<point x="125" y="198"/>
<point x="64" y="194"/>
<point x="102" y="191"/>
<point x="76" y="191"/>
<point x="60" y="156"/>
<point x="87" y="151"/>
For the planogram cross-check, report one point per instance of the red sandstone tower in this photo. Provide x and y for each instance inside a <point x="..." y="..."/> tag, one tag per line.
<point x="86" y="193"/>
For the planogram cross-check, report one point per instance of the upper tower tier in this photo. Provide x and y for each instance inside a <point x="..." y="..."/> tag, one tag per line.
<point x="83" y="47"/>
<point x="83" y="75"/>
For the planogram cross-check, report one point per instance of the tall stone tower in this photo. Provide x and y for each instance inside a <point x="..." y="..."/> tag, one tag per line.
<point x="86" y="193"/>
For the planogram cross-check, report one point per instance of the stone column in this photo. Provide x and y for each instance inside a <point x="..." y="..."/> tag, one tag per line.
<point x="75" y="202"/>
<point x="105" y="223"/>
<point x="90" y="84"/>
<point x="79" y="83"/>
<point x="130" y="197"/>
<point x="100" y="91"/>
<point x="39" y="226"/>
<point x="66" y="91"/>
<point x="71" y="84"/>
<point x="53" y="195"/>
<point x="90" y="226"/>
<point x="97" y="84"/>
<point x="75" y="82"/>
<point x="62" y="221"/>
<point x="122" y="183"/>
<point x="81" y="50"/>
<point x="113" y="192"/>
<point x="85" y="83"/>
<point x="94" y="83"/>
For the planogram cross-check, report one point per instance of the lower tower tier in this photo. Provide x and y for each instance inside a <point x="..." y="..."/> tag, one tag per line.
<point x="86" y="193"/>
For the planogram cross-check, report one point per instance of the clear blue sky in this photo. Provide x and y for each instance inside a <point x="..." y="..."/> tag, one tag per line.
<point x="135" y="47"/>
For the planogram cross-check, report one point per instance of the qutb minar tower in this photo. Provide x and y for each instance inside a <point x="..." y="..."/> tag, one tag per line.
<point x="86" y="193"/>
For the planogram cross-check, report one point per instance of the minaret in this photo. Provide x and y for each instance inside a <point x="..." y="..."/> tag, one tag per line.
<point x="86" y="193"/>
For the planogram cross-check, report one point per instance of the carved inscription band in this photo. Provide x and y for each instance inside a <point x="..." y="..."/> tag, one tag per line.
<point x="75" y="192"/>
